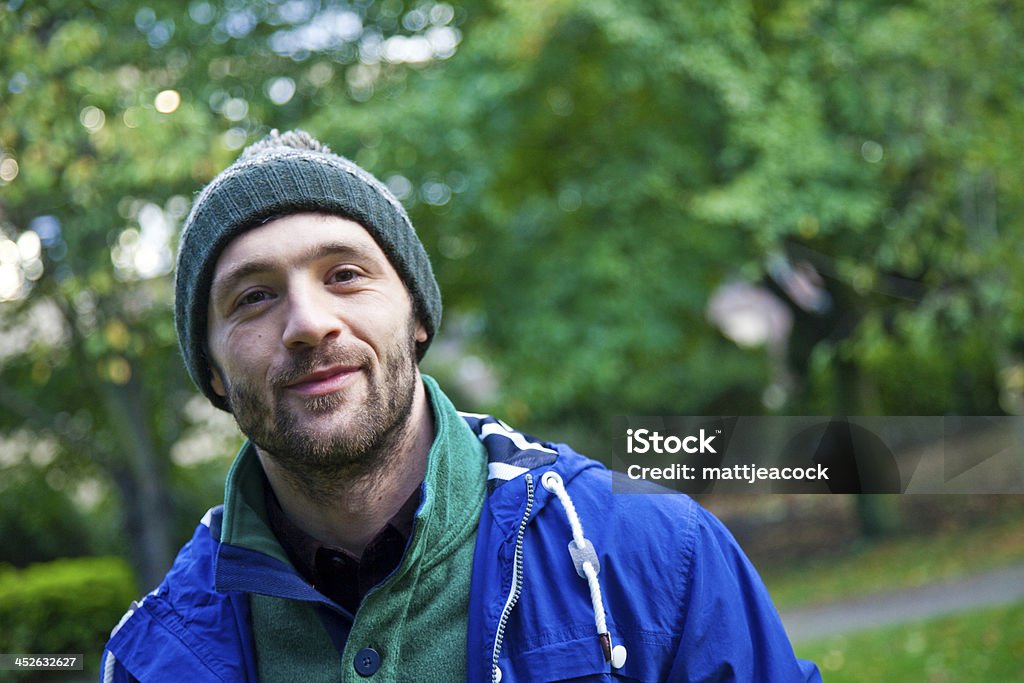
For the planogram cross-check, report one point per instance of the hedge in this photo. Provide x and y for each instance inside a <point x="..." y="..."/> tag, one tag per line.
<point x="66" y="606"/>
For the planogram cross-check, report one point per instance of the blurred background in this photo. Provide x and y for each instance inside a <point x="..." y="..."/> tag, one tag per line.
<point x="634" y="208"/>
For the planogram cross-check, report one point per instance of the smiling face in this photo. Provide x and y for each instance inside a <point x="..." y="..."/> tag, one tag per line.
<point x="312" y="341"/>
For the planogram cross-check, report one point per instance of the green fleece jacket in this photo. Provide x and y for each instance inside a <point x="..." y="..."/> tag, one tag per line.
<point x="416" y="619"/>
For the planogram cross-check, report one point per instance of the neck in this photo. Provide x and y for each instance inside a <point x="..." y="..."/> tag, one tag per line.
<point x="360" y="505"/>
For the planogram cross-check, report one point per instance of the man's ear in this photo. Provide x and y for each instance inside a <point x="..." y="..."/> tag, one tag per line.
<point x="216" y="382"/>
<point x="421" y="333"/>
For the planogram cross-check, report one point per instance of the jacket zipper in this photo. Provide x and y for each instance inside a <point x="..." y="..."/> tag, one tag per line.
<point x="517" y="581"/>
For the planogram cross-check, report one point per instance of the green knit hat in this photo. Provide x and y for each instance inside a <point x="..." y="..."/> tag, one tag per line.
<point x="287" y="173"/>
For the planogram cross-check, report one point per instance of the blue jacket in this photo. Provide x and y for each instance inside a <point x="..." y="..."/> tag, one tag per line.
<point x="678" y="599"/>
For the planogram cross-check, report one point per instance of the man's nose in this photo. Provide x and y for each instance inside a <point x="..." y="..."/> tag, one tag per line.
<point x="312" y="317"/>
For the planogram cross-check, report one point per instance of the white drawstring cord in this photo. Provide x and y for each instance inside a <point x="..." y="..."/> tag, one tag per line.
<point x="587" y="566"/>
<point x="553" y="482"/>
<point x="108" y="667"/>
<point x="598" y="603"/>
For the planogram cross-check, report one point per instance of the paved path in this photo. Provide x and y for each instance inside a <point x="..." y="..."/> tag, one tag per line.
<point x="998" y="587"/>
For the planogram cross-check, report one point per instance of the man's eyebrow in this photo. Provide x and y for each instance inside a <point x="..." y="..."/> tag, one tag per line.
<point x="226" y="282"/>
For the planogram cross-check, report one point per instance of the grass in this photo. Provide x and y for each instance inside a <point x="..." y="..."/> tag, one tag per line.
<point x="984" y="646"/>
<point x="900" y="563"/>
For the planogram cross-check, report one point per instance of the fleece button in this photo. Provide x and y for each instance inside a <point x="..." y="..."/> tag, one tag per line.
<point x="367" y="661"/>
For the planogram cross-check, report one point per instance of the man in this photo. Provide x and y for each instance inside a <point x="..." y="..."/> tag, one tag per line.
<point x="369" y="530"/>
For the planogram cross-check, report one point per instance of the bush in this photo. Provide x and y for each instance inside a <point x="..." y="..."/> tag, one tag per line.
<point x="64" y="607"/>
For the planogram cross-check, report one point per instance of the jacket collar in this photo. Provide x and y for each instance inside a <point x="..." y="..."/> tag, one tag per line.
<point x="510" y="454"/>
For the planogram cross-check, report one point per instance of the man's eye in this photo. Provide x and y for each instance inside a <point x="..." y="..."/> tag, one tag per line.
<point x="343" y="276"/>
<point x="250" y="298"/>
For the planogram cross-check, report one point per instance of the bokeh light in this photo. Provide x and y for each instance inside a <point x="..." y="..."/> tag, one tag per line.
<point x="145" y="252"/>
<point x="235" y="109"/>
<point x="280" y="90"/>
<point x="8" y="169"/>
<point x="167" y="101"/>
<point x="92" y="118"/>
<point x="20" y="264"/>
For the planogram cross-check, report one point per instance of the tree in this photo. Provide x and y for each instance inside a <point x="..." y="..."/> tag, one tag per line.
<point x="590" y="172"/>
<point x="556" y="160"/>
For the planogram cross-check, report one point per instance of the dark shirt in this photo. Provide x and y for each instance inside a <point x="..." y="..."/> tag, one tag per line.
<point x="336" y="572"/>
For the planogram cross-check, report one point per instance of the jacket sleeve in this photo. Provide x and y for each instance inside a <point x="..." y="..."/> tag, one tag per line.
<point x="731" y="630"/>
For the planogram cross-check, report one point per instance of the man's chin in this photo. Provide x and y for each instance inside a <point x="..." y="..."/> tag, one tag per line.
<point x="306" y="439"/>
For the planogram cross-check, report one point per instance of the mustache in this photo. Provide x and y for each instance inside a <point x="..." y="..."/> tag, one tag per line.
<point x="306" y="361"/>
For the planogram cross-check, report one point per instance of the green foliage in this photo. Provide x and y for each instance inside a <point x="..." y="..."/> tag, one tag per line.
<point x="609" y="164"/>
<point x="573" y="151"/>
<point x="66" y="606"/>
<point x="37" y="522"/>
<point x="915" y="370"/>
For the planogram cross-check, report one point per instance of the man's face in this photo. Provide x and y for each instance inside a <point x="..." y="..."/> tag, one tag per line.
<point x="312" y="339"/>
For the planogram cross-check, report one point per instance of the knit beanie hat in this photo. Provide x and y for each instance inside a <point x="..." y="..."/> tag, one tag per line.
<point x="287" y="173"/>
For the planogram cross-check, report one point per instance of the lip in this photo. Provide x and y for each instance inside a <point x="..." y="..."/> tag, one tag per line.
<point x="325" y="381"/>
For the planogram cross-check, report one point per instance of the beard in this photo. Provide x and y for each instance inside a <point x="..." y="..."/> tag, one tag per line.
<point x="319" y="442"/>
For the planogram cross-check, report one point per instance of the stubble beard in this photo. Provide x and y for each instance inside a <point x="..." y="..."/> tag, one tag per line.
<point x="320" y="461"/>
